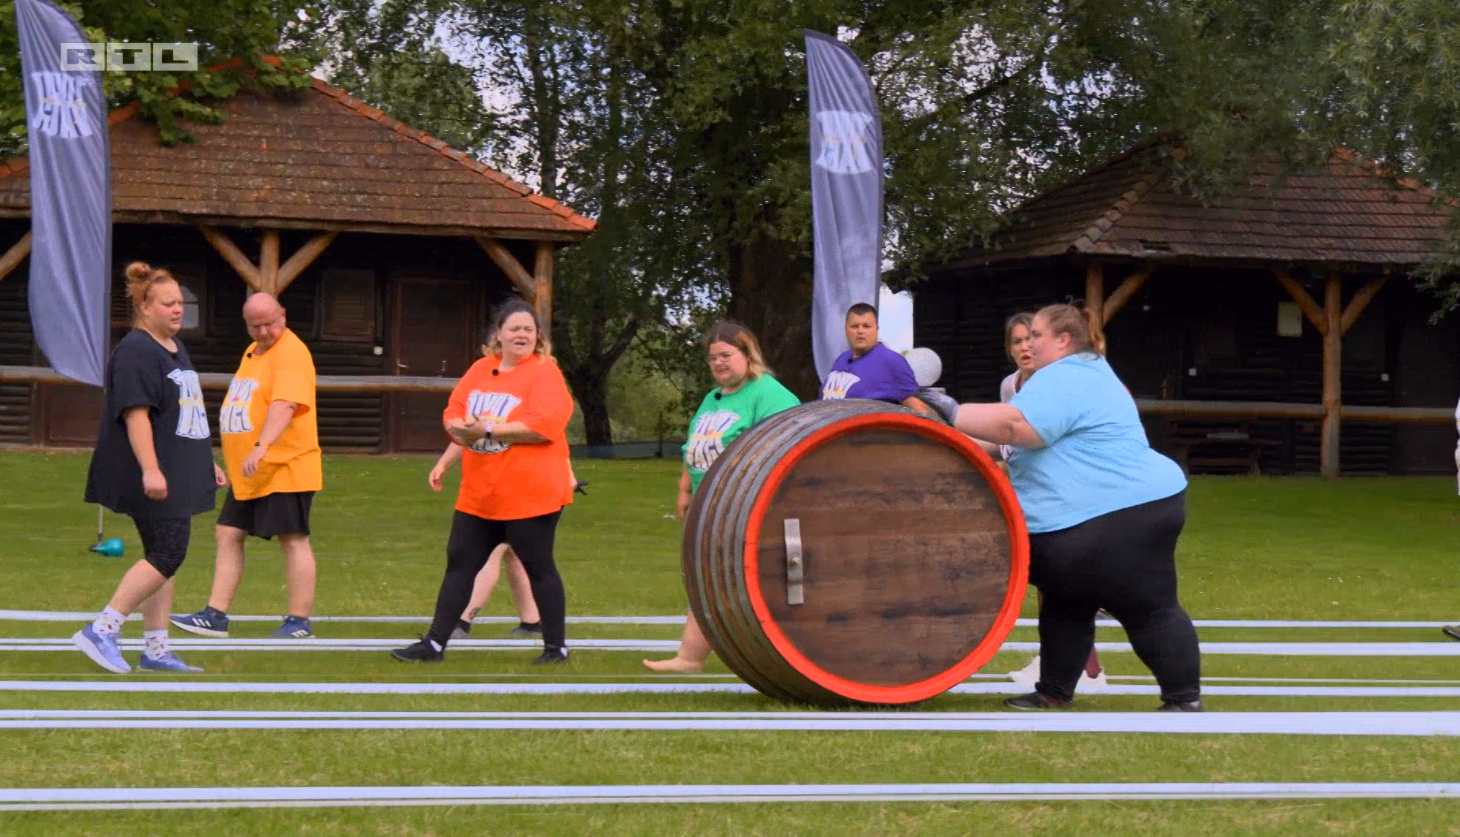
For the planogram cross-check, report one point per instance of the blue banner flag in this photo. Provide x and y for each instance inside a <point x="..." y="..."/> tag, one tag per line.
<point x="70" y="193"/>
<point x="846" y="192"/>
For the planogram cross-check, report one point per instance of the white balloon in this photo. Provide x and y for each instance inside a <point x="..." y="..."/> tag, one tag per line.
<point x="927" y="367"/>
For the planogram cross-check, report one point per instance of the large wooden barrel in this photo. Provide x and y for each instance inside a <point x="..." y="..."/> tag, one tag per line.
<point x="854" y="553"/>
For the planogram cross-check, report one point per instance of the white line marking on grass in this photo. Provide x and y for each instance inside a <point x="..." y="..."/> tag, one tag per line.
<point x="63" y="799"/>
<point x="1209" y="723"/>
<point x="995" y="688"/>
<point x="1440" y="648"/>
<point x="87" y="616"/>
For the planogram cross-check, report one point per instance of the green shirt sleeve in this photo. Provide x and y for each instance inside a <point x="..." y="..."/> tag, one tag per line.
<point x="772" y="398"/>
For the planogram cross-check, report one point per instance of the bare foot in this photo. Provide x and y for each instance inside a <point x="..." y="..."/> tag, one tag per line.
<point x="677" y="665"/>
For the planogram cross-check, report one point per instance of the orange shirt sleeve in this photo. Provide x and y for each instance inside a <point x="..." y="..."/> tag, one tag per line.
<point x="294" y="378"/>
<point x="549" y="406"/>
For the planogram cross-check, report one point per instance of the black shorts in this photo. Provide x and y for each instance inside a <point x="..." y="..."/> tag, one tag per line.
<point x="282" y="513"/>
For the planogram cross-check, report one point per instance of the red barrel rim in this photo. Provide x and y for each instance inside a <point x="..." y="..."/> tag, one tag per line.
<point x="1019" y="560"/>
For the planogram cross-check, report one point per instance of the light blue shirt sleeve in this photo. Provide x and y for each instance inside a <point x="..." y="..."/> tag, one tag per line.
<point x="1049" y="400"/>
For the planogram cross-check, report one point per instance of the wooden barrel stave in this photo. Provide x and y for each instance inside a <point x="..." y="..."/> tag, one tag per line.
<point x="756" y="645"/>
<point x="731" y="624"/>
<point x="716" y="553"/>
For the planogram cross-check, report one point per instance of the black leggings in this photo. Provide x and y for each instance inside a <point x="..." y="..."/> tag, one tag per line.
<point x="164" y="542"/>
<point x="467" y="550"/>
<point x="1125" y="562"/>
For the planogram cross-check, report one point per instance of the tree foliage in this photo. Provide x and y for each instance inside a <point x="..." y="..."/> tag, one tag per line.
<point x="240" y="32"/>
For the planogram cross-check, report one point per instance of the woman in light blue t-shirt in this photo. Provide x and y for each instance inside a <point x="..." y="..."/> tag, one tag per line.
<point x="1104" y="512"/>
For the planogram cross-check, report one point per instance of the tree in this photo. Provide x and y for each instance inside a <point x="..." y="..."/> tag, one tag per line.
<point x="385" y="54"/>
<point x="578" y="119"/>
<point x="985" y="103"/>
<point x="1390" y="91"/>
<point x="242" y="32"/>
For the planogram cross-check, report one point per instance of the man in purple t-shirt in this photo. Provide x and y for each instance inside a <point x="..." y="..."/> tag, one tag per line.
<point x="869" y="369"/>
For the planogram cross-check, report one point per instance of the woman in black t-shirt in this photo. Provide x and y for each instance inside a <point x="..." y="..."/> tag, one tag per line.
<point x="154" y="463"/>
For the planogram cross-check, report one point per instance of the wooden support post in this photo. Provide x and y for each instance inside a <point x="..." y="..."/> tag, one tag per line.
<point x="269" y="262"/>
<point x="1095" y="291"/>
<point x="510" y="266"/>
<point x="235" y="257"/>
<point x="542" y="284"/>
<point x="15" y="255"/>
<point x="303" y="258"/>
<point x="1123" y="294"/>
<point x="1332" y="373"/>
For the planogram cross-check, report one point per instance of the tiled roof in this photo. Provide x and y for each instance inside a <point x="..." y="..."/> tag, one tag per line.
<point x="322" y="158"/>
<point x="1345" y="211"/>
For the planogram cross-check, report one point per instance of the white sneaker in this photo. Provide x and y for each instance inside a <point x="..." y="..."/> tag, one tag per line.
<point x="1027" y="676"/>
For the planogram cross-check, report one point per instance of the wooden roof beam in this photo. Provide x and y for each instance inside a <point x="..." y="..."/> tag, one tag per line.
<point x="234" y="256"/>
<point x="1361" y="300"/>
<point x="526" y="284"/>
<point x="1309" y="307"/>
<point x="302" y="258"/>
<point x="15" y="255"/>
<point x="1124" y="293"/>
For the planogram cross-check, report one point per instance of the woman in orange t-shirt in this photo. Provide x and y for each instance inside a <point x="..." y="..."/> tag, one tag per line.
<point x="510" y="413"/>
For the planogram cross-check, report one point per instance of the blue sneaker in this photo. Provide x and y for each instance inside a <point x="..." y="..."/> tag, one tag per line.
<point x="101" y="648"/>
<point x="293" y="628"/>
<point x="206" y="622"/>
<point x="167" y="662"/>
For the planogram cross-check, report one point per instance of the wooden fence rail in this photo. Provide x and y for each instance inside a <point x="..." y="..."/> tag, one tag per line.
<point x="1148" y="406"/>
<point x="220" y="380"/>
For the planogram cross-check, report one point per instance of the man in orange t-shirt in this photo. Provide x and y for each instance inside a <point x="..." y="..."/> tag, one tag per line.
<point x="272" y="455"/>
<point x="510" y="413"/>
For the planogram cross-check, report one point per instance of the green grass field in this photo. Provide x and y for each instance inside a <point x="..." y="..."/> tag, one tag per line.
<point x="1355" y="549"/>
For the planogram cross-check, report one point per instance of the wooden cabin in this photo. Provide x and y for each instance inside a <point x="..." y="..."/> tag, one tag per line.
<point x="1274" y="330"/>
<point x="386" y="247"/>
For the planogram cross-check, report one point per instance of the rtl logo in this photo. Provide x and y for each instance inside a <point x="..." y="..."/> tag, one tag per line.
<point x="128" y="57"/>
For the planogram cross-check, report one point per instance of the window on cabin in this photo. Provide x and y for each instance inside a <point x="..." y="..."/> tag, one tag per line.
<point x="347" y="305"/>
<point x="192" y="310"/>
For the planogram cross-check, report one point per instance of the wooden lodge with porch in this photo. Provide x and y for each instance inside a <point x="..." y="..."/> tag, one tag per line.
<point x="386" y="247"/>
<point x="1274" y="330"/>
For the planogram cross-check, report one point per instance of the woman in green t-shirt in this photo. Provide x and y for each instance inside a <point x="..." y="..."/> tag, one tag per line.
<point x="746" y="394"/>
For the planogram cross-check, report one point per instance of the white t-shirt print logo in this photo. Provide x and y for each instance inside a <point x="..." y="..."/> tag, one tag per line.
<point x="233" y="416"/>
<point x="707" y="441"/>
<point x="493" y="408"/>
<point x="192" y="416"/>
<point x="838" y="384"/>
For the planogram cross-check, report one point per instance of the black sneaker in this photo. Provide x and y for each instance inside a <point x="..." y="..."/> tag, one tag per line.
<point x="419" y="652"/>
<point x="526" y="629"/>
<point x="551" y="656"/>
<point x="1452" y="631"/>
<point x="1181" y="706"/>
<point x="1035" y="701"/>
